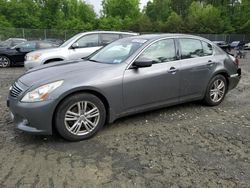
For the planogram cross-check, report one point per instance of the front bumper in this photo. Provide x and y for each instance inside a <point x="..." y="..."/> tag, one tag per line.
<point x="234" y="79"/>
<point x="35" y="118"/>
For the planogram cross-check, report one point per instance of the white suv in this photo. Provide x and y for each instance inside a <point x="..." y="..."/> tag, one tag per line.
<point x="79" y="46"/>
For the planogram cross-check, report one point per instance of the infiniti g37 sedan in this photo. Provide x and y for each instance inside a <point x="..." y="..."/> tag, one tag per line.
<point x="128" y="76"/>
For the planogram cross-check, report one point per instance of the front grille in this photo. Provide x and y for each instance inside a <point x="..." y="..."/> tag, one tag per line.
<point x="15" y="90"/>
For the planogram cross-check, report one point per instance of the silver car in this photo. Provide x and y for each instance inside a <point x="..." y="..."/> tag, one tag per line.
<point x="79" y="46"/>
<point x="128" y="76"/>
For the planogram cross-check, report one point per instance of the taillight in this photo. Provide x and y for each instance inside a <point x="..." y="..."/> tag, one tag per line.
<point x="237" y="61"/>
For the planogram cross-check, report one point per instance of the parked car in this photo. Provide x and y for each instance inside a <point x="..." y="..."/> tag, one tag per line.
<point x="79" y="46"/>
<point x="247" y="46"/>
<point x="11" y="42"/>
<point x="15" y="55"/>
<point x="237" y="44"/>
<point x="128" y="76"/>
<point x="223" y="45"/>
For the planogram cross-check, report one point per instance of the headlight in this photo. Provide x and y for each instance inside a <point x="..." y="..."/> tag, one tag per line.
<point x="32" y="57"/>
<point x="40" y="93"/>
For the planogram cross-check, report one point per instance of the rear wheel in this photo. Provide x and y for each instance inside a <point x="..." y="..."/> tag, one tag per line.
<point x="80" y="116"/>
<point x="216" y="90"/>
<point x="4" y="61"/>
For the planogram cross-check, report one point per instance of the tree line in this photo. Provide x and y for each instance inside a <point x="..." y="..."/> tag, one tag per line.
<point x="182" y="16"/>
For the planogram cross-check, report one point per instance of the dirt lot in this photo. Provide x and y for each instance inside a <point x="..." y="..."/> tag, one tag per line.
<point x="189" y="145"/>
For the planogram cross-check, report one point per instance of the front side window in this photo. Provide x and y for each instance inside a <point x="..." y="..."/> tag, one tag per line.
<point x="108" y="38"/>
<point x="161" y="51"/>
<point x="191" y="48"/>
<point x="207" y="49"/>
<point x="88" y="41"/>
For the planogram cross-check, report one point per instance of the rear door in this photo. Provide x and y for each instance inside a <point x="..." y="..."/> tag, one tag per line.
<point x="86" y="45"/>
<point x="196" y="66"/>
<point x="156" y="84"/>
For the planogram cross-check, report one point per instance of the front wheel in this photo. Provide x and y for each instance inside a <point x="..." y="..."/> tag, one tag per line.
<point x="216" y="90"/>
<point x="4" y="61"/>
<point x="80" y="116"/>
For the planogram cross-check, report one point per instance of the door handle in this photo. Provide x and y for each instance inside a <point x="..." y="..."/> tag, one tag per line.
<point x="172" y="70"/>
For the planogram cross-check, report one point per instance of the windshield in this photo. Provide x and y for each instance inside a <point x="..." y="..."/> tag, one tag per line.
<point x="67" y="42"/>
<point x="118" y="51"/>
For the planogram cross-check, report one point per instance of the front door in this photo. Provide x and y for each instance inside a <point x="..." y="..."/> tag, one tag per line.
<point x="158" y="83"/>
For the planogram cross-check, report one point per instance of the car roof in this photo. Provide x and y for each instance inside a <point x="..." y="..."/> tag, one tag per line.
<point x="219" y="41"/>
<point x="113" y="32"/>
<point x="17" y="39"/>
<point x="37" y="41"/>
<point x="167" y="35"/>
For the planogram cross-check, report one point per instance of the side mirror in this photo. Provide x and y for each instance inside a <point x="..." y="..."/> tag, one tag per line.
<point x="75" y="45"/>
<point x="140" y="63"/>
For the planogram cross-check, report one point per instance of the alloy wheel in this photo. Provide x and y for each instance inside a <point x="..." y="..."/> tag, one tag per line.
<point x="81" y="118"/>
<point x="217" y="90"/>
<point x="4" y="62"/>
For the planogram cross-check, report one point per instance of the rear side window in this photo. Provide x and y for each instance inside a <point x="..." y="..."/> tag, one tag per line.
<point x="191" y="48"/>
<point x="161" y="51"/>
<point x="108" y="38"/>
<point x="207" y="49"/>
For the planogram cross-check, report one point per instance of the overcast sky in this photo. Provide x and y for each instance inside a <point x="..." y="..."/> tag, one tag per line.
<point x="97" y="4"/>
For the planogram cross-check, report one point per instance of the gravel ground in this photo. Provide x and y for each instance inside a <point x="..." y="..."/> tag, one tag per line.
<point x="188" y="145"/>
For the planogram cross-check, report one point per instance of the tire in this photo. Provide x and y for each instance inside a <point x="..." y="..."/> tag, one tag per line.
<point x="74" y="119"/>
<point x="212" y="91"/>
<point x="4" y="61"/>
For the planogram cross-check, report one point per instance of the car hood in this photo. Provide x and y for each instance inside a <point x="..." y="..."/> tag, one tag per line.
<point x="48" y="50"/>
<point x="62" y="71"/>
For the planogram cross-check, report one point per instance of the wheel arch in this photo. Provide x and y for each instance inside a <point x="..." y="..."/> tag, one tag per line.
<point x="223" y="73"/>
<point x="92" y="91"/>
<point x="53" y="59"/>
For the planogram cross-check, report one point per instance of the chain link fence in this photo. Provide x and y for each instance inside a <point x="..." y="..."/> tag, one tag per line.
<point x="226" y="37"/>
<point x="40" y="34"/>
<point x="36" y="34"/>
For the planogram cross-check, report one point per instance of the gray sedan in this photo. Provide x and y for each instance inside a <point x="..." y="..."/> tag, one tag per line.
<point x="128" y="76"/>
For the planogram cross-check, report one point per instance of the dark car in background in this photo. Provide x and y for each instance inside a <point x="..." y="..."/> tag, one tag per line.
<point x="128" y="76"/>
<point x="223" y="45"/>
<point x="11" y="42"/>
<point x="15" y="55"/>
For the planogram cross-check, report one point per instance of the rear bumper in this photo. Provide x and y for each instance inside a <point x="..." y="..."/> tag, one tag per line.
<point x="234" y="79"/>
